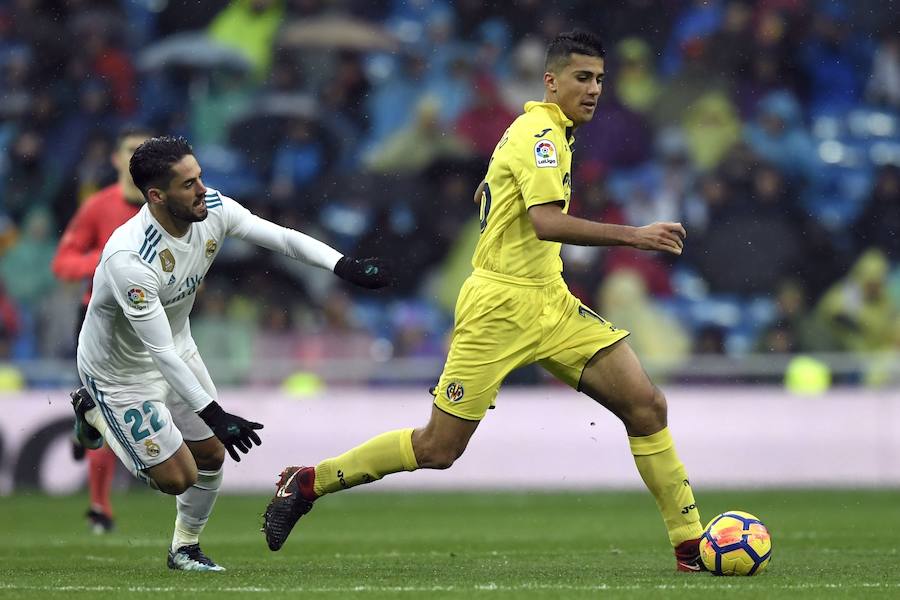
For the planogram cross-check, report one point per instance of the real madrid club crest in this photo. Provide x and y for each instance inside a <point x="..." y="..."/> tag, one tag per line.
<point x="211" y="248"/>
<point x="167" y="260"/>
<point x="152" y="448"/>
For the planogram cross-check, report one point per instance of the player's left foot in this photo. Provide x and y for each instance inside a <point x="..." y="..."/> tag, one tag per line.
<point x="687" y="557"/>
<point x="191" y="558"/>
<point x="293" y="498"/>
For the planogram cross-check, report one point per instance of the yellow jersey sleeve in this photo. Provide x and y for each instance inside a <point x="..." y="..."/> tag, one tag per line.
<point x="537" y="166"/>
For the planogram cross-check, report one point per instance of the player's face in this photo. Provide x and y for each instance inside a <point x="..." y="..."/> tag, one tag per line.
<point x="184" y="197"/>
<point x="576" y="88"/>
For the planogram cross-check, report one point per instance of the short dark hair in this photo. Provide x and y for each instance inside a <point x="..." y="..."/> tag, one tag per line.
<point x="151" y="165"/>
<point x="132" y="129"/>
<point x="572" y="42"/>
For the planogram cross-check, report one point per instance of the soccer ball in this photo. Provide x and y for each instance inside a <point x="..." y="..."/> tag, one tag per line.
<point x="736" y="543"/>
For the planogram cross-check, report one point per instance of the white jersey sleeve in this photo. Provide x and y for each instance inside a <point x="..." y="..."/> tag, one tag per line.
<point x="243" y="224"/>
<point x="135" y="286"/>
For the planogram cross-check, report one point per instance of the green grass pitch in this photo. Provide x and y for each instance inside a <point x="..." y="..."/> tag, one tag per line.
<point x="451" y="545"/>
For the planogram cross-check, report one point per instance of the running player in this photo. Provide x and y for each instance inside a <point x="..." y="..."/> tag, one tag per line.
<point x="515" y="309"/>
<point x="149" y="394"/>
<point x="75" y="260"/>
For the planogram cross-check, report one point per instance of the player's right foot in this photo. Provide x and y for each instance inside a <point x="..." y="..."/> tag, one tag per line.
<point x="191" y="558"/>
<point x="293" y="498"/>
<point x="100" y="523"/>
<point x="687" y="557"/>
<point x="85" y="433"/>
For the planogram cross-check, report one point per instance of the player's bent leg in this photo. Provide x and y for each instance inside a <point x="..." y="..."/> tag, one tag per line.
<point x="194" y="507"/>
<point x="298" y="487"/>
<point x="436" y="446"/>
<point x="614" y="378"/>
<point x="442" y="440"/>
<point x="179" y="475"/>
<point x="175" y="474"/>
<point x="96" y="419"/>
<point x="209" y="454"/>
<point x="196" y="504"/>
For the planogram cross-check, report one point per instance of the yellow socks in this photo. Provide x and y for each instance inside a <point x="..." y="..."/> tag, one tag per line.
<point x="667" y="480"/>
<point x="654" y="455"/>
<point x="384" y="454"/>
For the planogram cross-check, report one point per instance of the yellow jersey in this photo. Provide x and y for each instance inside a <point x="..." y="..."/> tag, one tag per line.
<point x="531" y="165"/>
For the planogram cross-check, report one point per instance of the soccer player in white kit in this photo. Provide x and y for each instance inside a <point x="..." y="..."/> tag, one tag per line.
<point x="147" y="391"/>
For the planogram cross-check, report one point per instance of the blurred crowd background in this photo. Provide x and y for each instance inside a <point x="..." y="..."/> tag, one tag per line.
<point x="769" y="128"/>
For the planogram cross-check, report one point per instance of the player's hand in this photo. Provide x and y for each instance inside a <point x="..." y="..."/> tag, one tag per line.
<point x="370" y="273"/>
<point x="232" y="430"/>
<point x="666" y="237"/>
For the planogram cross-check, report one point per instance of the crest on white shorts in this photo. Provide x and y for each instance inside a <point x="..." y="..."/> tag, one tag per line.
<point x="152" y="448"/>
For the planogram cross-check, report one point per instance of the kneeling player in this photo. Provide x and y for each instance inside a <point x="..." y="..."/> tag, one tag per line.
<point x="147" y="391"/>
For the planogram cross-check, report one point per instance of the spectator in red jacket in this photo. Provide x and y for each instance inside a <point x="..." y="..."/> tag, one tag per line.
<point x="75" y="260"/>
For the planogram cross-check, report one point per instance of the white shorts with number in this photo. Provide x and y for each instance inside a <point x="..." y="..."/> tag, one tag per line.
<point x="148" y="419"/>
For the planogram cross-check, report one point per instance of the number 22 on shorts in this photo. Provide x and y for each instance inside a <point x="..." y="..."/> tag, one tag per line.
<point x="136" y="419"/>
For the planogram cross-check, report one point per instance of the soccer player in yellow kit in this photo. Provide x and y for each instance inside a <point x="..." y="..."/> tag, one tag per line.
<point x="515" y="309"/>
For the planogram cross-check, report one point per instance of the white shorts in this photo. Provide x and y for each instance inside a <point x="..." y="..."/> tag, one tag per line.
<point x="148" y="419"/>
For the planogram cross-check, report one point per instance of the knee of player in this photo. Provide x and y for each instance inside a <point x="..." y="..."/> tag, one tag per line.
<point x="653" y="413"/>
<point x="658" y="405"/>
<point x="441" y="462"/>
<point x="443" y="457"/>
<point x="212" y="459"/>
<point x="178" y="484"/>
<point x="646" y="415"/>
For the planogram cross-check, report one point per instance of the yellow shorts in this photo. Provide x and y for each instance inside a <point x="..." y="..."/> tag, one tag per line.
<point x="503" y="323"/>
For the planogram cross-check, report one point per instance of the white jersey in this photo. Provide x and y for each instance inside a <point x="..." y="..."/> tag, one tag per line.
<point x="137" y="327"/>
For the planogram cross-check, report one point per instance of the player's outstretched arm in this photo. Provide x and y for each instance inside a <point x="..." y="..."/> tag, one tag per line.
<point x="551" y="224"/>
<point x="370" y="273"/>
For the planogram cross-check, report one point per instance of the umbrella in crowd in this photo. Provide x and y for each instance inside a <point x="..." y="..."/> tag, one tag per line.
<point x="193" y="50"/>
<point x="337" y="33"/>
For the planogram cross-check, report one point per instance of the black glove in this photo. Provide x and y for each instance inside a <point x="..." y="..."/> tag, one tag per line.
<point x="232" y="430"/>
<point x="370" y="273"/>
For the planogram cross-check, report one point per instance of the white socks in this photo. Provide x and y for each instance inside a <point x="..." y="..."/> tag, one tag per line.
<point x="194" y="508"/>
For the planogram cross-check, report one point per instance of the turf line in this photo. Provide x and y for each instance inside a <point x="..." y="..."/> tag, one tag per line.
<point x="439" y="588"/>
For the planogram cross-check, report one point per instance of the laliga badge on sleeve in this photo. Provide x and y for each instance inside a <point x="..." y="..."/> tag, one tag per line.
<point x="137" y="298"/>
<point x="545" y="154"/>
